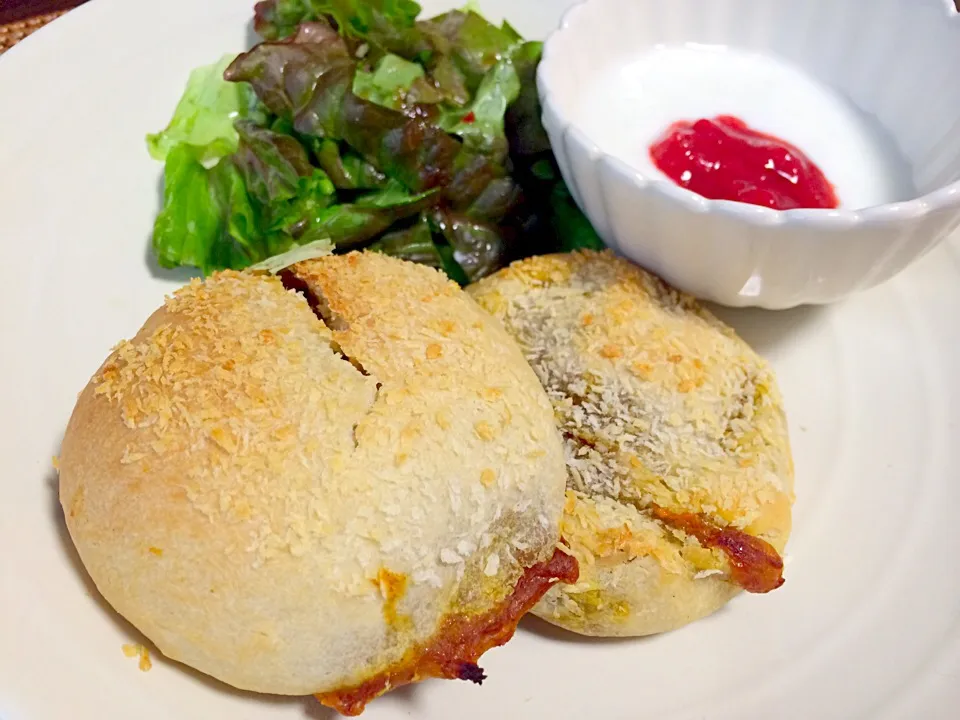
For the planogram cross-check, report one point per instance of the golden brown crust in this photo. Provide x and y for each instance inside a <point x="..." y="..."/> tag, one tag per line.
<point x="661" y="405"/>
<point x="290" y="506"/>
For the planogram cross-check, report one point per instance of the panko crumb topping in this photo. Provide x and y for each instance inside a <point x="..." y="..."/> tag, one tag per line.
<point x="384" y="398"/>
<point x="659" y="404"/>
<point x="218" y="375"/>
<point x="137" y="650"/>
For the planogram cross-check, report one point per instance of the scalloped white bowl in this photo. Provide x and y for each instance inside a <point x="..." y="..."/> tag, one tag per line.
<point x="891" y="64"/>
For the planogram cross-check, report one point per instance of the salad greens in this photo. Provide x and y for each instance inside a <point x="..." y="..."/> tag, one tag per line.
<point x="205" y="115"/>
<point x="299" y="253"/>
<point x="357" y="124"/>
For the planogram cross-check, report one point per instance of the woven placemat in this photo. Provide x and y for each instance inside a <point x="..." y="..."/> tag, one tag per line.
<point x="13" y="33"/>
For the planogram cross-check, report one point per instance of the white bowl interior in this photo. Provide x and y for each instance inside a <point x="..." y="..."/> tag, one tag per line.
<point x="891" y="65"/>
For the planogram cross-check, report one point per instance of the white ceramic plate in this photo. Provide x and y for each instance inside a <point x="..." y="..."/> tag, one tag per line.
<point x="867" y="625"/>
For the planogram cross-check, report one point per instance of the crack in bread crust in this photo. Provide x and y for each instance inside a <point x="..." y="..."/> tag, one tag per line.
<point x="228" y="469"/>
<point x="660" y="405"/>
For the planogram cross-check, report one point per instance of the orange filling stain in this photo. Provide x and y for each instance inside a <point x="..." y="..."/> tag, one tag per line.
<point x="392" y="586"/>
<point x="754" y="563"/>
<point x="453" y="652"/>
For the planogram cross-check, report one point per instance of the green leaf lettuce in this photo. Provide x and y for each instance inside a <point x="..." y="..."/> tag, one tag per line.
<point x="204" y="118"/>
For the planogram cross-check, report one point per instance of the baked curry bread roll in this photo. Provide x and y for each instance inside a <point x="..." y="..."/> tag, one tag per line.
<point x="680" y="477"/>
<point x="336" y="499"/>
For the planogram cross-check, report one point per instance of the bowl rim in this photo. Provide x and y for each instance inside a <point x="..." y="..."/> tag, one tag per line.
<point x="827" y="219"/>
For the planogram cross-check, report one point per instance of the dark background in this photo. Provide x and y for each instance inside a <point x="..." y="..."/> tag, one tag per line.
<point x="13" y="10"/>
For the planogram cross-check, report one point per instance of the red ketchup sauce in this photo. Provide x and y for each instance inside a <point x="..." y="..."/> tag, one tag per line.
<point x="724" y="159"/>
